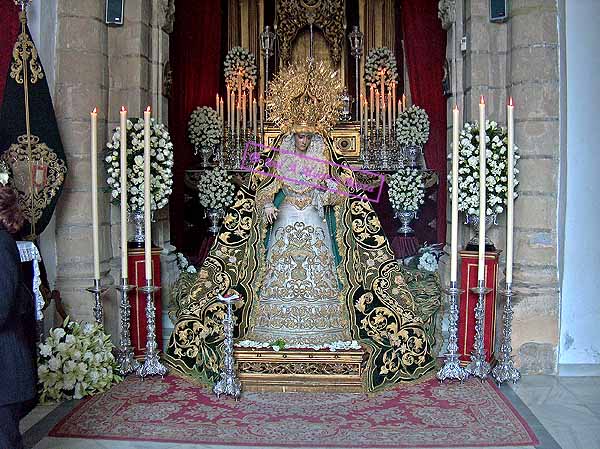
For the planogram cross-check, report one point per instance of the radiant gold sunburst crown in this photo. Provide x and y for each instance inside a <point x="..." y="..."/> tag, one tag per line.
<point x="305" y="98"/>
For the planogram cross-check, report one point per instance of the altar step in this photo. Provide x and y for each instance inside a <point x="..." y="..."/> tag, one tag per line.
<point x="264" y="369"/>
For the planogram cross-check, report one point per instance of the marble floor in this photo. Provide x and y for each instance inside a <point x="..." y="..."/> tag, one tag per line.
<point x="563" y="411"/>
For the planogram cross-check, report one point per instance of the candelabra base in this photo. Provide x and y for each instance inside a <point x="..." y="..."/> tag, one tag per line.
<point x="229" y="385"/>
<point x="505" y="371"/>
<point x="452" y="370"/>
<point x="478" y="368"/>
<point x="152" y="367"/>
<point x="127" y="363"/>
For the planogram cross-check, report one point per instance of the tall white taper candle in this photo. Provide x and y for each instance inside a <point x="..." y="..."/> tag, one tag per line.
<point x="511" y="188"/>
<point x="454" y="218"/>
<point x="123" y="183"/>
<point x="482" y="199"/>
<point x="147" y="198"/>
<point x="94" y="157"/>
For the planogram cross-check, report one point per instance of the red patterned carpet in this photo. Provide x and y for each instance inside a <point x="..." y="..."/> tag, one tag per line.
<point x="427" y="415"/>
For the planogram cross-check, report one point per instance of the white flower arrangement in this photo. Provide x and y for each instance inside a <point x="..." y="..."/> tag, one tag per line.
<point x="184" y="265"/>
<point x="412" y="127"/>
<point x="407" y="189"/>
<point x="279" y="345"/>
<point x="161" y="165"/>
<point x="204" y="128"/>
<point x="76" y="360"/>
<point x="380" y="59"/>
<point x="496" y="180"/>
<point x="4" y="173"/>
<point x="215" y="189"/>
<point x="240" y="61"/>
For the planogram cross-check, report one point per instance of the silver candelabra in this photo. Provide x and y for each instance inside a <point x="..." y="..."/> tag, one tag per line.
<point x="97" y="290"/>
<point x="505" y="370"/>
<point x="229" y="384"/>
<point x="356" y="49"/>
<point x="152" y="365"/>
<point x="478" y="366"/>
<point x="452" y="368"/>
<point x="127" y="363"/>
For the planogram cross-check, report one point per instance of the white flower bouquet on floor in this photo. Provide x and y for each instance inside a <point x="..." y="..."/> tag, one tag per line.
<point x="412" y="127"/>
<point x="204" y="129"/>
<point x="76" y="360"/>
<point x="406" y="189"/>
<point x="215" y="189"/>
<point x="496" y="181"/>
<point x="161" y="165"/>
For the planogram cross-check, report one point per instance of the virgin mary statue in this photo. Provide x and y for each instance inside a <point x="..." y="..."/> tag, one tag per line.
<point x="306" y="253"/>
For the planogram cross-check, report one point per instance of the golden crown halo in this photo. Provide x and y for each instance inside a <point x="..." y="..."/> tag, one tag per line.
<point x="305" y="98"/>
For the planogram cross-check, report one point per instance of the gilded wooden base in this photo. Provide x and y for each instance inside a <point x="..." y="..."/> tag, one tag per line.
<point x="299" y="370"/>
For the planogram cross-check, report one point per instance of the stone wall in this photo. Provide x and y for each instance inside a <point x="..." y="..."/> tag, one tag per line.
<point x="519" y="58"/>
<point x="104" y="67"/>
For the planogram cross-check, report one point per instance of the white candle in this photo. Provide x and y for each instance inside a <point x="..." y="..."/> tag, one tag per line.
<point x="228" y="105"/>
<point x="454" y="218"/>
<point x="399" y="107"/>
<point x="254" y="114"/>
<point x="261" y="104"/>
<point x="382" y="78"/>
<point x="511" y="198"/>
<point x="217" y="103"/>
<point x="366" y="116"/>
<point x="372" y="98"/>
<point x="403" y="102"/>
<point x="221" y="111"/>
<point x="94" y="156"/>
<point x="482" y="200"/>
<point x="123" y="183"/>
<point x="383" y="121"/>
<point x="244" y="123"/>
<point x="147" y="202"/>
<point x="394" y="112"/>
<point x="390" y="114"/>
<point x="239" y="117"/>
<point x="377" y="110"/>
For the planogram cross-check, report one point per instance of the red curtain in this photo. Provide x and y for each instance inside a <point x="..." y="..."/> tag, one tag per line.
<point x="9" y="24"/>
<point x="195" y="55"/>
<point x="425" y="48"/>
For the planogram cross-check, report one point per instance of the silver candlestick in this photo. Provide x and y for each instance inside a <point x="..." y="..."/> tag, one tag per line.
<point x="127" y="363"/>
<point x="151" y="365"/>
<point x="356" y="48"/>
<point x="479" y="367"/>
<point x="505" y="369"/>
<point x="229" y="384"/>
<point x="452" y="368"/>
<point x="97" y="290"/>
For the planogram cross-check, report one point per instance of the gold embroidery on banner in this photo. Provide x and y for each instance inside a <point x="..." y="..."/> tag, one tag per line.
<point x="52" y="170"/>
<point x="25" y="50"/>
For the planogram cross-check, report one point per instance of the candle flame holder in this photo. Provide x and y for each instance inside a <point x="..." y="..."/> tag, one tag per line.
<point x="479" y="367"/>
<point x="452" y="368"/>
<point x="505" y="369"/>
<point x="127" y="363"/>
<point x="152" y="365"/>
<point x="97" y="290"/>
<point x="229" y="384"/>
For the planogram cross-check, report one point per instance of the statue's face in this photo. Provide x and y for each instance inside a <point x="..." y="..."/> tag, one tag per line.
<point x="302" y="141"/>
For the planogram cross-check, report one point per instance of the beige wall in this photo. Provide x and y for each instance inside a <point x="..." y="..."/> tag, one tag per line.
<point x="519" y="58"/>
<point x="106" y="67"/>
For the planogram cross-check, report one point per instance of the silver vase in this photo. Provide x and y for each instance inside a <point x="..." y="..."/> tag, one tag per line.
<point x="412" y="154"/>
<point x="206" y="153"/>
<point x="405" y="216"/>
<point x="137" y="217"/>
<point x="214" y="214"/>
<point x="473" y="220"/>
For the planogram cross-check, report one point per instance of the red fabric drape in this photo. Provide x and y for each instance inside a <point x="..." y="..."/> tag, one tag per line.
<point x="9" y="24"/>
<point x="425" y="47"/>
<point x="195" y="55"/>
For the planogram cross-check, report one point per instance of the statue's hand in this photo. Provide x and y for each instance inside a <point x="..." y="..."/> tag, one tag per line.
<point x="271" y="213"/>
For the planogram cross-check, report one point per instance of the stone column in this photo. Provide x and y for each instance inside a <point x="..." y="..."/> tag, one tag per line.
<point x="81" y="83"/>
<point x="519" y="58"/>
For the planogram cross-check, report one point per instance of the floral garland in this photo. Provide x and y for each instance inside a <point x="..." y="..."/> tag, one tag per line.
<point x="380" y="59"/>
<point x="184" y="265"/>
<point x="215" y="189"/>
<point x="280" y="344"/>
<point x="407" y="189"/>
<point x="204" y="128"/>
<point x="5" y="173"/>
<point x="496" y="168"/>
<point x="239" y="60"/>
<point x="412" y="127"/>
<point x="427" y="258"/>
<point x="76" y="360"/>
<point x="161" y="165"/>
